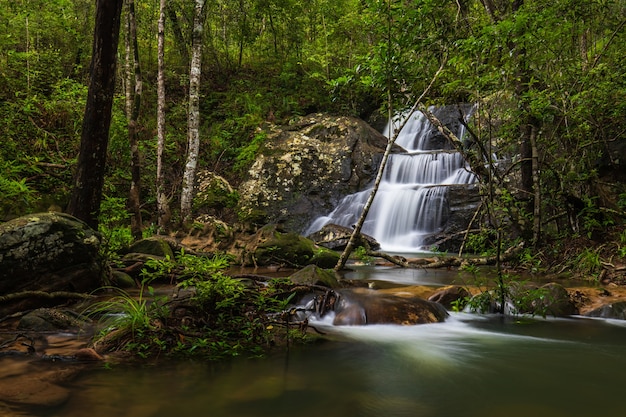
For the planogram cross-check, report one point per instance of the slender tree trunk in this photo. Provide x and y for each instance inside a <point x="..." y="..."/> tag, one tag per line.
<point x="536" y="187"/>
<point x="133" y="125"/>
<point x="163" y="208"/>
<point x="89" y="177"/>
<point x="193" y="118"/>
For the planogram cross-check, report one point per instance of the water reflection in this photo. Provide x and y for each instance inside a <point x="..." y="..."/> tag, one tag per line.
<point x="471" y="366"/>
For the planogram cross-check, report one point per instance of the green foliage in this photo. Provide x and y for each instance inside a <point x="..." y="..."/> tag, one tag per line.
<point x="126" y="312"/>
<point x="360" y="254"/>
<point x="113" y="225"/>
<point x="588" y="263"/>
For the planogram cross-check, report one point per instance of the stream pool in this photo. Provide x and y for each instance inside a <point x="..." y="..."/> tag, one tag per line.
<point x="468" y="366"/>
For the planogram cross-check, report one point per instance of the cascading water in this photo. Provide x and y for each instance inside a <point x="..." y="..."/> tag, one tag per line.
<point x="411" y="201"/>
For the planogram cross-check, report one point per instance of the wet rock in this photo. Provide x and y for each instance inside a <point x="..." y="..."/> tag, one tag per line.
<point x="363" y="306"/>
<point x="335" y="237"/>
<point x="551" y="299"/>
<point x="47" y="252"/>
<point x="615" y="310"/>
<point x="304" y="169"/>
<point x="450" y="296"/>
<point x="314" y="275"/>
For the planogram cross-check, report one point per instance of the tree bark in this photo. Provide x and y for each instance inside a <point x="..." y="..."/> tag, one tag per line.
<point x="163" y="208"/>
<point x="133" y="125"/>
<point x="89" y="177"/>
<point x="193" y="118"/>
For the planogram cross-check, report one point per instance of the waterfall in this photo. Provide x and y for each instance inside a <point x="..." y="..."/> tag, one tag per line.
<point x="411" y="202"/>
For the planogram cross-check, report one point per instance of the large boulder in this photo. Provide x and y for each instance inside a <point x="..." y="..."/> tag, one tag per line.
<point x="48" y="252"/>
<point x="361" y="306"/>
<point x="272" y="245"/>
<point x="304" y="169"/>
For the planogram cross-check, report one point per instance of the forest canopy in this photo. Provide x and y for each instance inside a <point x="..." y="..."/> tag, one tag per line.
<point x="548" y="79"/>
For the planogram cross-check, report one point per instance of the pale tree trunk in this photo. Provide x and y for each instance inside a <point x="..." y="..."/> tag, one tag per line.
<point x="379" y="175"/>
<point x="134" y="89"/>
<point x="89" y="177"/>
<point x="536" y="187"/>
<point x="193" y="118"/>
<point x="163" y="208"/>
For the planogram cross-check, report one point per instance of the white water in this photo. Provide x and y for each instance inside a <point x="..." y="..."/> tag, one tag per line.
<point x="411" y="201"/>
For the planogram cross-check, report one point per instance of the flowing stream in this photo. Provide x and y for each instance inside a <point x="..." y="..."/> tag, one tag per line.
<point x="471" y="365"/>
<point x="411" y="201"/>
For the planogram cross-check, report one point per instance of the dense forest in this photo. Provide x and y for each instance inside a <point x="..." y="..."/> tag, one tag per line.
<point x="196" y="81"/>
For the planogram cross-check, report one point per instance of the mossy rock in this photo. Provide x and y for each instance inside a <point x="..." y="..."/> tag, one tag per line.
<point x="122" y="280"/>
<point x="154" y="246"/>
<point x="325" y="258"/>
<point x="291" y="249"/>
<point x="314" y="275"/>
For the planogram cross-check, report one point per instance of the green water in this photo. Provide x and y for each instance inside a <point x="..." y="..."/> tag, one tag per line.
<point x="469" y="366"/>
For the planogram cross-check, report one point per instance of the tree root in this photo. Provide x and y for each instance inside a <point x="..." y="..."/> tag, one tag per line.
<point x="43" y="294"/>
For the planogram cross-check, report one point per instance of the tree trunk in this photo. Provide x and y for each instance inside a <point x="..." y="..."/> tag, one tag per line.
<point x="193" y="118"/>
<point x="89" y="177"/>
<point x="134" y="199"/>
<point x="163" y="209"/>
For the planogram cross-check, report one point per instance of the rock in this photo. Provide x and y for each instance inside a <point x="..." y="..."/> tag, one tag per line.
<point x="87" y="355"/>
<point x="47" y="252"/>
<point x="271" y="245"/>
<point x="156" y="246"/>
<point x="314" y="275"/>
<point x="52" y="320"/>
<point x="121" y="279"/>
<point x="461" y="203"/>
<point x="610" y="311"/>
<point x="451" y="295"/>
<point x="304" y="169"/>
<point x="363" y="306"/>
<point x="550" y="299"/>
<point x="335" y="237"/>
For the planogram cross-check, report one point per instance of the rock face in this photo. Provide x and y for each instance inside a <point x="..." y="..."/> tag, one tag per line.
<point x="48" y="252"/>
<point x="305" y="169"/>
<point x="461" y="204"/>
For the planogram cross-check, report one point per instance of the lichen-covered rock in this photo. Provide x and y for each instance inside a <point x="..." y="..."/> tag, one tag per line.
<point x="48" y="252"/>
<point x="333" y="236"/>
<point x="304" y="169"/>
